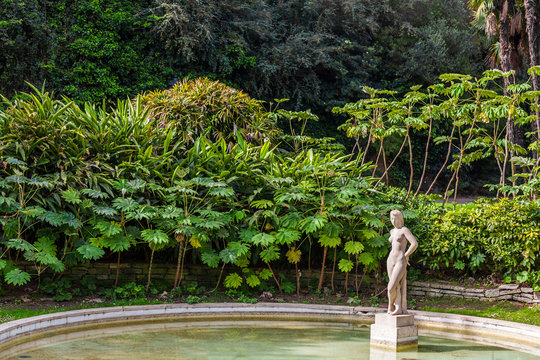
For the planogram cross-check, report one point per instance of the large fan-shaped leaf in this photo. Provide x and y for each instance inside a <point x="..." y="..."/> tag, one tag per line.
<point x="210" y="258"/>
<point x="263" y="239"/>
<point x="345" y="265"/>
<point x="233" y="281"/>
<point x="17" y="277"/>
<point x="228" y="256"/>
<point x="353" y="247"/>
<point x="287" y="236"/>
<point x="270" y="254"/>
<point x="90" y="252"/>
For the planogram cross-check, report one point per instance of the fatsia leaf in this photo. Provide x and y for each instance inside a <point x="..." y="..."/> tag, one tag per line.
<point x="119" y="242"/>
<point x="287" y="236"/>
<point x="240" y="247"/>
<point x="90" y="252"/>
<point x="253" y="280"/>
<point x="228" y="256"/>
<point x="247" y="234"/>
<point x="154" y="237"/>
<point x="263" y="239"/>
<point x="221" y="192"/>
<point x="265" y="274"/>
<point x="210" y="258"/>
<point x="46" y="245"/>
<point x="17" y="277"/>
<point x="293" y="255"/>
<point x="124" y="204"/>
<point x="19" y="244"/>
<point x="353" y="247"/>
<point x="105" y="211"/>
<point x="313" y="223"/>
<point x="269" y="254"/>
<point x="108" y="228"/>
<point x="327" y="241"/>
<point x="53" y="218"/>
<point x="366" y="258"/>
<point x="233" y="281"/>
<point x="71" y="196"/>
<point x="194" y="241"/>
<point x="261" y="204"/>
<point x="70" y="220"/>
<point x="95" y="194"/>
<point x="3" y="264"/>
<point x="345" y="265"/>
<point x="210" y="224"/>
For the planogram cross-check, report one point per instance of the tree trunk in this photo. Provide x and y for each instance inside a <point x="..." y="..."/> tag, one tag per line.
<point x="150" y="270"/>
<point x="322" y="268"/>
<point x="532" y="28"/>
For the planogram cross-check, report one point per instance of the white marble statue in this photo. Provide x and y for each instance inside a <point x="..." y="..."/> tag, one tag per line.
<point x="397" y="262"/>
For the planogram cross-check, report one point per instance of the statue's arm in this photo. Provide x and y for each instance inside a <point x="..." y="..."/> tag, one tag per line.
<point x="412" y="241"/>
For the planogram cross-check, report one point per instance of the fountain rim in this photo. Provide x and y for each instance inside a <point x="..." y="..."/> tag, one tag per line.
<point x="507" y="334"/>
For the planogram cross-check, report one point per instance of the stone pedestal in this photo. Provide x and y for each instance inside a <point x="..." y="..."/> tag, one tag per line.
<point x="394" y="332"/>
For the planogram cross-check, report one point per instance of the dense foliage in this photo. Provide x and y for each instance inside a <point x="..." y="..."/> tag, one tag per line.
<point x="318" y="53"/>
<point x="200" y="173"/>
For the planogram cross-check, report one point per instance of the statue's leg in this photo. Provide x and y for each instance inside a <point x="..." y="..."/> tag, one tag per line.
<point x="394" y="287"/>
<point x="391" y="292"/>
<point x="404" y="293"/>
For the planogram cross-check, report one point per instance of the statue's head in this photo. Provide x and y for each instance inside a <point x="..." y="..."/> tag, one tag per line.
<point x="396" y="218"/>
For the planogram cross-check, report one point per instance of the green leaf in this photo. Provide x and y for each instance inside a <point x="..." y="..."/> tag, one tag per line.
<point x="247" y="234"/>
<point x="221" y="192"/>
<point x="345" y="265"/>
<point x="313" y="223"/>
<point x="119" y="242"/>
<point x="90" y="252"/>
<point x="45" y="245"/>
<point x="228" y="256"/>
<point x="17" y="277"/>
<point x="366" y="258"/>
<point x="261" y="204"/>
<point x="233" y="281"/>
<point x="353" y="247"/>
<point x="154" y="237"/>
<point x="210" y="258"/>
<point x="253" y="280"/>
<point x="53" y="218"/>
<point x="108" y="228"/>
<point x="124" y="204"/>
<point x="327" y="241"/>
<point x="95" y="194"/>
<point x="3" y="264"/>
<point x="19" y="244"/>
<point x="240" y="247"/>
<point x="270" y="254"/>
<point x="71" y="196"/>
<point x="265" y="274"/>
<point x="105" y="211"/>
<point x="263" y="239"/>
<point x="287" y="236"/>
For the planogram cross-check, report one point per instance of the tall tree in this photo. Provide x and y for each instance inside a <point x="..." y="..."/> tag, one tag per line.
<point x="533" y="37"/>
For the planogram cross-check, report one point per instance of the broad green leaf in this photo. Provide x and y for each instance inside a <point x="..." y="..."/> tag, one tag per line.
<point x="240" y="247"/>
<point x="366" y="258"/>
<point x="327" y="241"/>
<point x="3" y="264"/>
<point x="17" y="277"/>
<point x="154" y="237"/>
<point x="228" y="256"/>
<point x="108" y="228"/>
<point x="265" y="274"/>
<point x="105" y="211"/>
<point x="124" y="204"/>
<point x="71" y="196"/>
<point x="286" y="236"/>
<point x="270" y="254"/>
<point x="210" y="258"/>
<point x="293" y="255"/>
<point x="253" y="280"/>
<point x="90" y="252"/>
<point x="261" y="204"/>
<point x="263" y="239"/>
<point x="313" y="223"/>
<point x="345" y="265"/>
<point x="119" y="243"/>
<point x="247" y="234"/>
<point x="233" y="281"/>
<point x="19" y="244"/>
<point x="353" y="247"/>
<point x="46" y="245"/>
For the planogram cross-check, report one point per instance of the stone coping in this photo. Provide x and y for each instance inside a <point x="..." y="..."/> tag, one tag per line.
<point x="507" y="334"/>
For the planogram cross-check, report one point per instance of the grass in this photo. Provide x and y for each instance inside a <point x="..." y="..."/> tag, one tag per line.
<point x="502" y="311"/>
<point x="524" y="315"/>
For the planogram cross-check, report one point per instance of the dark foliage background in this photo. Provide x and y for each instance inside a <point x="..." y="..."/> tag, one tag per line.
<point x="316" y="52"/>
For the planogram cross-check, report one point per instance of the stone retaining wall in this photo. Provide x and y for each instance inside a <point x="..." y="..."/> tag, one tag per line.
<point x="206" y="276"/>
<point x="504" y="292"/>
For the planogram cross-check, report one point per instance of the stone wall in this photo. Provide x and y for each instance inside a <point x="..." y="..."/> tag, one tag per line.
<point x="208" y="277"/>
<point x="504" y="292"/>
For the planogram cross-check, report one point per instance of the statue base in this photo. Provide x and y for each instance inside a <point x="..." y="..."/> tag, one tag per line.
<point x="394" y="332"/>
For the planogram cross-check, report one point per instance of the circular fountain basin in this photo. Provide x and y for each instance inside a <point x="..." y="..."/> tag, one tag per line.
<point x="259" y="331"/>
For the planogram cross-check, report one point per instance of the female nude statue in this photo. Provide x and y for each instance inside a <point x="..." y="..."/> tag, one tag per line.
<point x="397" y="264"/>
